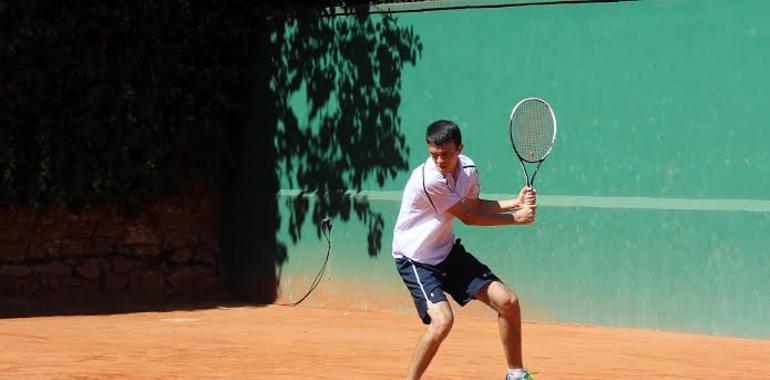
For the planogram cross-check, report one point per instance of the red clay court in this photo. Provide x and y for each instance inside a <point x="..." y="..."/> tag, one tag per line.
<point x="280" y="342"/>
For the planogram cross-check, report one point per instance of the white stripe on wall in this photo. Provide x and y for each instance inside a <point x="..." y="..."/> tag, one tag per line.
<point x="650" y="203"/>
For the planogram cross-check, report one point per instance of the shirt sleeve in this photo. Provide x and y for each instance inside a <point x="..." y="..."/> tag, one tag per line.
<point x="474" y="189"/>
<point x="439" y="194"/>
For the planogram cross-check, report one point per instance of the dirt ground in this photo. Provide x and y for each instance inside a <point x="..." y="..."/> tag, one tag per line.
<point x="280" y="342"/>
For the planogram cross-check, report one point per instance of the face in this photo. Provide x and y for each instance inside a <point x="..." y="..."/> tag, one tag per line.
<point x="445" y="156"/>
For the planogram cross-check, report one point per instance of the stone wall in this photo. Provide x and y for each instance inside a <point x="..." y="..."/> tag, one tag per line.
<point x="171" y="251"/>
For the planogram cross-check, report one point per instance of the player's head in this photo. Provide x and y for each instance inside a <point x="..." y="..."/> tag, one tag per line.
<point x="441" y="132"/>
<point x="445" y="142"/>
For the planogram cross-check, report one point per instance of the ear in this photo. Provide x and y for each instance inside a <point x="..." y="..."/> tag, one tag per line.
<point x="460" y="148"/>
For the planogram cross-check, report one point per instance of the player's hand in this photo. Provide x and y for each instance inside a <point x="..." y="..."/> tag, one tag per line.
<point x="524" y="215"/>
<point x="528" y="196"/>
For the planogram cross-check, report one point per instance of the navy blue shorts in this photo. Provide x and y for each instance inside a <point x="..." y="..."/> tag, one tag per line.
<point x="460" y="274"/>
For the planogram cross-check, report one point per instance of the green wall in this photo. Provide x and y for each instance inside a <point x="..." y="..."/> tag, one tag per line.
<point x="655" y="204"/>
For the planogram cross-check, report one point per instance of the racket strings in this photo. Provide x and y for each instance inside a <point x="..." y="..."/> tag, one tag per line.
<point x="532" y="130"/>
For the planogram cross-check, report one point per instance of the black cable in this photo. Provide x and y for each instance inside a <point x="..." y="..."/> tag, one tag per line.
<point x="326" y="229"/>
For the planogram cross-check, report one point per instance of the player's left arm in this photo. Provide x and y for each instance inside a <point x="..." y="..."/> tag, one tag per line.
<point x="526" y="196"/>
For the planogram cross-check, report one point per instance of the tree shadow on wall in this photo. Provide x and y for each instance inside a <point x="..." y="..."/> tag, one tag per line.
<point x="138" y="101"/>
<point x="326" y="123"/>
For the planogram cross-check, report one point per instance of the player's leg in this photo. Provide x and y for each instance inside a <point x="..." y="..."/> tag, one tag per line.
<point x="431" y="303"/>
<point x="441" y="320"/>
<point x="503" y="300"/>
<point x="471" y="279"/>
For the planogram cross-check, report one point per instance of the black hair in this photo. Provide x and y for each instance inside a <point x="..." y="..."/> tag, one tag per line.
<point x="441" y="132"/>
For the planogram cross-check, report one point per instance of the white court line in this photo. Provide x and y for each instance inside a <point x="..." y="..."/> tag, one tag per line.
<point x="650" y="203"/>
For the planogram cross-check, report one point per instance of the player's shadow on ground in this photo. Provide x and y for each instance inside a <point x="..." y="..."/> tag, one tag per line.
<point x="325" y="123"/>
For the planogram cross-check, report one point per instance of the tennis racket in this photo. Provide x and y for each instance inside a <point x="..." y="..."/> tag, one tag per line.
<point x="532" y="129"/>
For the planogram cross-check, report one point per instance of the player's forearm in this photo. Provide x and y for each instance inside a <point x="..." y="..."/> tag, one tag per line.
<point x="499" y="206"/>
<point x="476" y="212"/>
<point x="484" y="217"/>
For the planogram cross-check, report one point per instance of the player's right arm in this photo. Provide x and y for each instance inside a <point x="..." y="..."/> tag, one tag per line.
<point x="473" y="212"/>
<point x="526" y="196"/>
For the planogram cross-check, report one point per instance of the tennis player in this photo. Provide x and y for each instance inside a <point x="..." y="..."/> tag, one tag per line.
<point x="431" y="262"/>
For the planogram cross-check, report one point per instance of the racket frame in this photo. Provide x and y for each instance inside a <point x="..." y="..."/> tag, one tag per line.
<point x="539" y="162"/>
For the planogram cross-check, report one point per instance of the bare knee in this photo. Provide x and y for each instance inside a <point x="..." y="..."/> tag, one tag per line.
<point x="440" y="324"/>
<point x="500" y="298"/>
<point x="508" y="306"/>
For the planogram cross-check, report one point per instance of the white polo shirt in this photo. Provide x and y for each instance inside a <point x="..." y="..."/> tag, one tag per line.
<point x="423" y="230"/>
